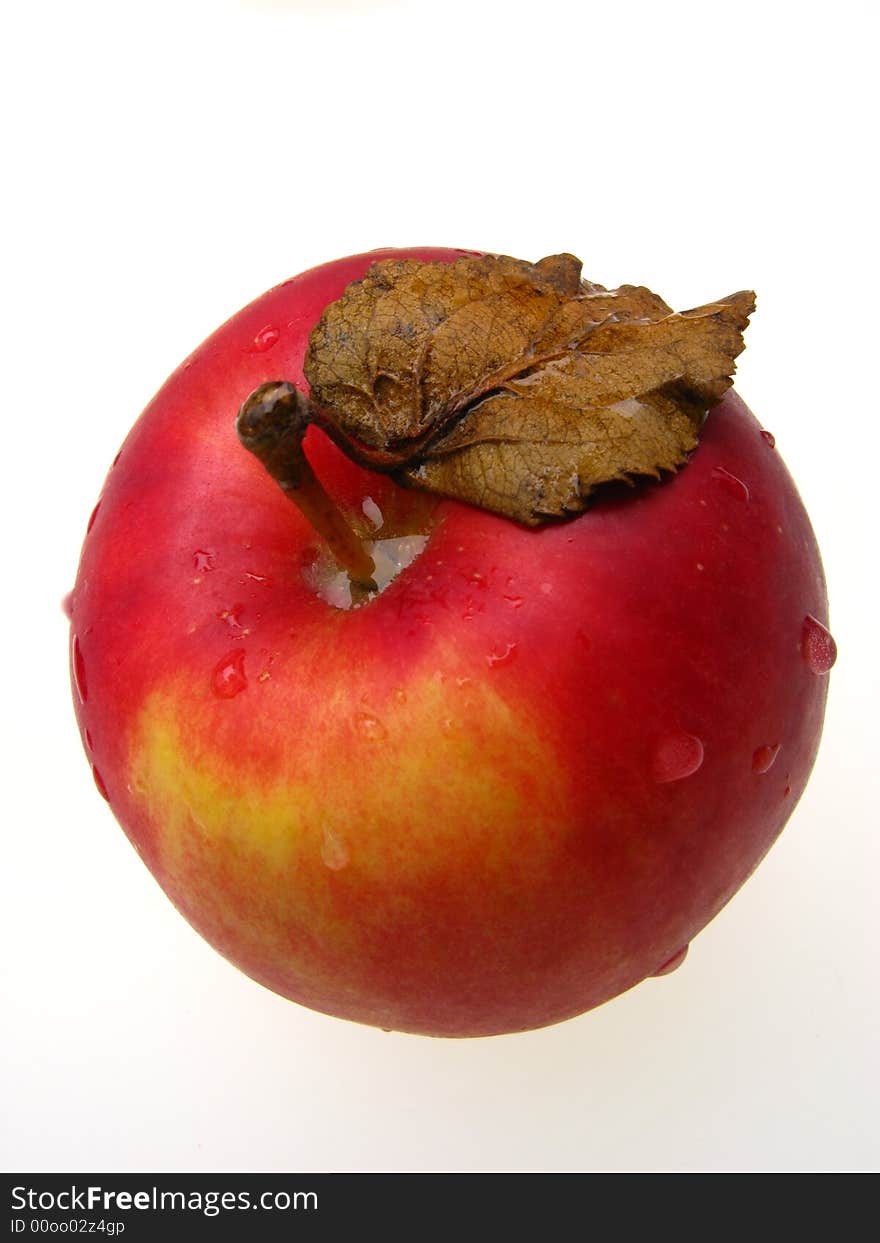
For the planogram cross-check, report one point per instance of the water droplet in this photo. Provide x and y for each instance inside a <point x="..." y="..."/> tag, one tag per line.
<point x="265" y="339"/>
<point x="730" y="483"/>
<point x="501" y="655"/>
<point x="229" y="677"/>
<point x="67" y="605"/>
<point x="231" y="617"/>
<point x="769" y="439"/>
<point x="334" y="851"/>
<point x="92" y="516"/>
<point x="786" y="793"/>
<point x="372" y="513"/>
<point x="79" y="671"/>
<point x="764" y="758"/>
<point x="263" y="579"/>
<point x="264" y="676"/>
<point x="676" y="756"/>
<point x="515" y="602"/>
<point x="116" y="459"/>
<point x="370" y="727"/>
<point x="99" y="782"/>
<point x="89" y="743"/>
<point x="203" y="561"/>
<point x="390" y="557"/>
<point x="672" y="963"/>
<point x="817" y="646"/>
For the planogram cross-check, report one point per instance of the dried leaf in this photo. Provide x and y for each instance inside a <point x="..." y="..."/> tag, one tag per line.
<point x="518" y="387"/>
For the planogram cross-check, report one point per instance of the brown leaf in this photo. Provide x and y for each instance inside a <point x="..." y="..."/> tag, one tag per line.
<point x="518" y="387"/>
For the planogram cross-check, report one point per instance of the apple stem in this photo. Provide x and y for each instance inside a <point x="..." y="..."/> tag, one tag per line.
<point x="271" y="424"/>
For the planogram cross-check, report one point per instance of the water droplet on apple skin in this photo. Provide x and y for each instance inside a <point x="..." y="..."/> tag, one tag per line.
<point x="676" y="756"/>
<point x="731" y="484"/>
<point x="764" y="758"/>
<point x="99" y="782"/>
<point x="769" y="439"/>
<point x="67" y="605"/>
<point x="231" y="617"/>
<point x="203" y="561"/>
<point x="817" y="646"/>
<point x="92" y="516"/>
<point x="79" y="670"/>
<point x="503" y="654"/>
<point x="229" y="678"/>
<point x="673" y="963"/>
<point x="372" y="513"/>
<point x="370" y="727"/>
<point x="390" y="556"/>
<point x="265" y="339"/>
<point x="334" y="852"/>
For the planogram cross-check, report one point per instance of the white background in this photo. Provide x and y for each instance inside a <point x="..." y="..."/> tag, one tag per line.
<point x="166" y="162"/>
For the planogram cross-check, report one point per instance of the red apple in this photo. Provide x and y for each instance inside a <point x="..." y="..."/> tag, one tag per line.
<point x="513" y="784"/>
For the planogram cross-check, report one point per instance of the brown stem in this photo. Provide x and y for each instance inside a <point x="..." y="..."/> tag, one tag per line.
<point x="271" y="424"/>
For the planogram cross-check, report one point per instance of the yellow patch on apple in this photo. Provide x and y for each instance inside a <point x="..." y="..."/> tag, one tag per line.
<point x="446" y="788"/>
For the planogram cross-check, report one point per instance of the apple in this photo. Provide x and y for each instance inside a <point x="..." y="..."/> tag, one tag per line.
<point x="508" y="787"/>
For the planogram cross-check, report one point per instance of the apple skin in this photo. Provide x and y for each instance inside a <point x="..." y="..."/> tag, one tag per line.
<point x="449" y="811"/>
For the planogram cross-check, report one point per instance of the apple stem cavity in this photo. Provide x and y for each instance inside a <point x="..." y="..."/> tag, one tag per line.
<point x="271" y="424"/>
